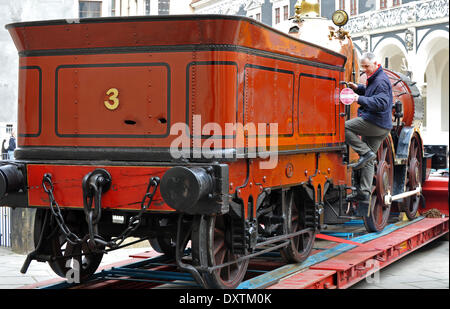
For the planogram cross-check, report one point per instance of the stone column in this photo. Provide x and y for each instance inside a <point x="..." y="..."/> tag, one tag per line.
<point x="22" y="226"/>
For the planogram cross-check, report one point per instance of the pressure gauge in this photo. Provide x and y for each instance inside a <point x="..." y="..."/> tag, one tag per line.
<point x="340" y="18"/>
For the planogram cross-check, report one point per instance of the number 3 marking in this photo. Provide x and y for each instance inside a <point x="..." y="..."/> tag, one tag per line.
<point x="112" y="93"/>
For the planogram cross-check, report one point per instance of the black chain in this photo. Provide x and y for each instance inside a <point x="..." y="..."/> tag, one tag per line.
<point x="71" y="237"/>
<point x="115" y="242"/>
<point x="135" y="221"/>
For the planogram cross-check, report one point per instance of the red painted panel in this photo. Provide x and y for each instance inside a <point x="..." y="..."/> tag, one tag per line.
<point x="129" y="184"/>
<point x="29" y="100"/>
<point x="318" y="105"/>
<point x="308" y="279"/>
<point x="266" y="88"/>
<point x="435" y="191"/>
<point x="213" y="92"/>
<point x="165" y="31"/>
<point x="83" y="89"/>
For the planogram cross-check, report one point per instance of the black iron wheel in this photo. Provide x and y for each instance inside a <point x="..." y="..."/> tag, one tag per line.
<point x="67" y="258"/>
<point x="165" y="242"/>
<point x="383" y="182"/>
<point x="411" y="204"/>
<point x="211" y="245"/>
<point x="299" y="246"/>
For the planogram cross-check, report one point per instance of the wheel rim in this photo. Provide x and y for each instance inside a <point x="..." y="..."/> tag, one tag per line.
<point x="166" y="243"/>
<point x="65" y="263"/>
<point x="299" y="246"/>
<point x="383" y="184"/>
<point x="413" y="178"/>
<point x="211" y="240"/>
<point x="219" y="252"/>
<point x="56" y="245"/>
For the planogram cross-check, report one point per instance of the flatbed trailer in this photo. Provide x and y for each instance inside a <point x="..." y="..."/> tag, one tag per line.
<point x="336" y="264"/>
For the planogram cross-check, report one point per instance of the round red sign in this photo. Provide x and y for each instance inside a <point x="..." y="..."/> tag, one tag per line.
<point x="347" y="96"/>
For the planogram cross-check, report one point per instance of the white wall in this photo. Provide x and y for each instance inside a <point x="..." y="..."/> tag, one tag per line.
<point x="180" y="7"/>
<point x="16" y="11"/>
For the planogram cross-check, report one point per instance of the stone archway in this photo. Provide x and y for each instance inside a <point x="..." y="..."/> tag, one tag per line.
<point x="431" y="69"/>
<point x="393" y="50"/>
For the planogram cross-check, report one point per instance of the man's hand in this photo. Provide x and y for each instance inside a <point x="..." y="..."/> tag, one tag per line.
<point x="355" y="98"/>
<point x="353" y="86"/>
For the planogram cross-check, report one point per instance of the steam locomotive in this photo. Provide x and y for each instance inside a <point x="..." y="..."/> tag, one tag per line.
<point x="210" y="132"/>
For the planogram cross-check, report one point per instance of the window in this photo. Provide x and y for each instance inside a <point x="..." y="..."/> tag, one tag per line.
<point x="342" y="4"/>
<point x="277" y="15"/>
<point x="258" y="16"/>
<point x="90" y="9"/>
<point x="285" y="12"/>
<point x="383" y="4"/>
<point x="9" y="128"/>
<point x="163" y="7"/>
<point x="113" y="7"/>
<point x="147" y="7"/>
<point x="353" y="7"/>
<point x="395" y="2"/>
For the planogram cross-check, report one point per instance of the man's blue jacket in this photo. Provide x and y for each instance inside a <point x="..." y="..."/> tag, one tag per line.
<point x="376" y="100"/>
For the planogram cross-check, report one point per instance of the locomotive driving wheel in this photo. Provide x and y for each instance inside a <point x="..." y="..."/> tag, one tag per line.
<point x="299" y="246"/>
<point x="379" y="212"/>
<point x="165" y="242"/>
<point x="211" y="245"/>
<point x="410" y="204"/>
<point x="67" y="258"/>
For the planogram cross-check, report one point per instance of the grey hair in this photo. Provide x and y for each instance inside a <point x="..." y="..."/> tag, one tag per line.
<point x="369" y="56"/>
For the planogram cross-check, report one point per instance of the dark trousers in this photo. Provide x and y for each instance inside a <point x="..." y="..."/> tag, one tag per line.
<point x="371" y="138"/>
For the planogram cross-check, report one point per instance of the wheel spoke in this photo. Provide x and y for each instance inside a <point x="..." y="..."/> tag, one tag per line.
<point x="218" y="246"/>
<point x="379" y="214"/>
<point x="414" y="149"/>
<point x="382" y="182"/>
<point x="410" y="205"/>
<point x="299" y="246"/>
<point x="210" y="247"/>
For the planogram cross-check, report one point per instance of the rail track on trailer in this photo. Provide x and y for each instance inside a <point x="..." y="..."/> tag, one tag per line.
<point x="335" y="263"/>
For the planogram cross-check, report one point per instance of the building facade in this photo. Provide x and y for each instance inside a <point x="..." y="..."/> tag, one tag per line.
<point x="412" y="37"/>
<point x="409" y="36"/>
<point x="103" y="8"/>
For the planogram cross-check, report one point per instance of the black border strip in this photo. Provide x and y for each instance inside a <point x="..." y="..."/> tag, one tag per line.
<point x="169" y="18"/>
<point x="277" y="70"/>
<point x="298" y="104"/>
<point x="188" y="101"/>
<point x="143" y="154"/>
<point x="35" y="67"/>
<point x="151" y="64"/>
<point x="177" y="48"/>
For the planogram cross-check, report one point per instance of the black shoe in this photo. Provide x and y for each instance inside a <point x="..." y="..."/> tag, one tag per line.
<point x="358" y="196"/>
<point x="363" y="209"/>
<point x="362" y="196"/>
<point x="363" y="160"/>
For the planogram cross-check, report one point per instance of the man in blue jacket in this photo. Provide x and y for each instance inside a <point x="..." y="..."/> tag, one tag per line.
<point x="373" y="123"/>
<point x="12" y="145"/>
